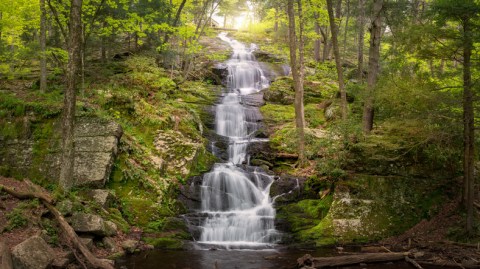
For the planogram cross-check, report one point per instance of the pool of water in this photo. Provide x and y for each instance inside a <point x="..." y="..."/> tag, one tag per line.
<point x="232" y="259"/>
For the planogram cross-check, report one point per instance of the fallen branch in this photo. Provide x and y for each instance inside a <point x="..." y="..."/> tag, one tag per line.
<point x="66" y="228"/>
<point x="308" y="261"/>
<point x="413" y="262"/>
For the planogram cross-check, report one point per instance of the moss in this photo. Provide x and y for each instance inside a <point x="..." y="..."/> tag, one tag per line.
<point x="304" y="215"/>
<point x="165" y="242"/>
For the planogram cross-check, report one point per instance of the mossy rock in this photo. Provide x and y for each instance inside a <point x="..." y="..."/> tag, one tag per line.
<point x="281" y="91"/>
<point x="165" y="242"/>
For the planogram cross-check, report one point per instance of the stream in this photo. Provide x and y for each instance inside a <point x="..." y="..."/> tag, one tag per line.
<point x="235" y="221"/>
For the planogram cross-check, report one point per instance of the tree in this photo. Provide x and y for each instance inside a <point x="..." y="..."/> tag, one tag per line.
<point x="297" y="73"/>
<point x="338" y="60"/>
<point x="361" y="36"/>
<point x="464" y="12"/>
<point x="43" y="44"/>
<point x="68" y="117"/>
<point x="373" y="65"/>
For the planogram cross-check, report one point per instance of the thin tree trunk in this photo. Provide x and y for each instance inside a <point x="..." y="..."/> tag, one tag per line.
<point x="43" y="45"/>
<point x="275" y="26"/>
<point x="68" y="119"/>
<point x="297" y="77"/>
<point x="176" y="20"/>
<point x="468" y="126"/>
<point x="338" y="60"/>
<point x="318" y="42"/>
<point x="361" y="37"/>
<point x="373" y="65"/>
<point x="346" y="28"/>
<point x="326" y="44"/>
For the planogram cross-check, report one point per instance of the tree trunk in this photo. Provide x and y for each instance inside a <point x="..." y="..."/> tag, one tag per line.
<point x="297" y="77"/>
<point x="43" y="45"/>
<point x="318" y="41"/>
<point x="373" y="65"/>
<point x="338" y="60"/>
<point x="275" y="26"/>
<point x="313" y="262"/>
<point x="361" y="37"/>
<point x="468" y="126"/>
<point x="326" y="44"/>
<point x="68" y="118"/>
<point x="346" y="28"/>
<point x="176" y="20"/>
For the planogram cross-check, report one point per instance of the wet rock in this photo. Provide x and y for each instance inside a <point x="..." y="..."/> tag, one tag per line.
<point x="254" y="99"/>
<point x="104" y="198"/>
<point x="130" y="245"/>
<point x="288" y="189"/>
<point x="220" y="73"/>
<point x="88" y="223"/>
<point x="33" y="253"/>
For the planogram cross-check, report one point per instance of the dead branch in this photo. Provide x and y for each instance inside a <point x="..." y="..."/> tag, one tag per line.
<point x="413" y="262"/>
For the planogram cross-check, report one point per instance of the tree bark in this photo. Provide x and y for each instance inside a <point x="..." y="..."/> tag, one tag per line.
<point x="43" y="45"/>
<point x="318" y="41"/>
<point x="373" y="65"/>
<point x="296" y="66"/>
<point x="68" y="118"/>
<point x="361" y="37"/>
<point x="468" y="125"/>
<point x="314" y="262"/>
<point x="338" y="60"/>
<point x="346" y="28"/>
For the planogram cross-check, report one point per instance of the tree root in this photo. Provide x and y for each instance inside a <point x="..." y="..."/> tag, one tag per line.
<point x="70" y="234"/>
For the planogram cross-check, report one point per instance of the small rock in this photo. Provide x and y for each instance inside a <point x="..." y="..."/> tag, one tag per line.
<point x="63" y="260"/>
<point x="110" y="228"/>
<point x="88" y="223"/>
<point x="149" y="247"/>
<point x="65" y="207"/>
<point x="87" y="241"/>
<point x="130" y="245"/>
<point x="363" y="264"/>
<point x="102" y="197"/>
<point x="33" y="253"/>
<point x="109" y="244"/>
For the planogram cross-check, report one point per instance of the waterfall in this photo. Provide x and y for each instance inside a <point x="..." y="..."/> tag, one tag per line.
<point x="236" y="203"/>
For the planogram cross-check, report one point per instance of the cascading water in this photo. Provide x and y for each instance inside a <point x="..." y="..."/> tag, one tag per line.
<point x="236" y="202"/>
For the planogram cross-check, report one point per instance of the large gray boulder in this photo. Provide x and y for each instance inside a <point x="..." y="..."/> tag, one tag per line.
<point x="33" y="253"/>
<point x="88" y="223"/>
<point x="96" y="146"/>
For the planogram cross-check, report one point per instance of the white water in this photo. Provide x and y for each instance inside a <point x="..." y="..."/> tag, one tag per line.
<point x="237" y="203"/>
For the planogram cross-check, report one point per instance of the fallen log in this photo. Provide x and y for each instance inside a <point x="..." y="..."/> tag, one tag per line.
<point x="308" y="261"/>
<point x="70" y="234"/>
<point x="413" y="262"/>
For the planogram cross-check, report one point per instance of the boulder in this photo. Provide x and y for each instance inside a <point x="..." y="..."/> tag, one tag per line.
<point x="130" y="245"/>
<point x="88" y="223"/>
<point x="33" y="253"/>
<point x="110" y="228"/>
<point x="87" y="241"/>
<point x="109" y="244"/>
<point x="104" y="198"/>
<point x="63" y="260"/>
